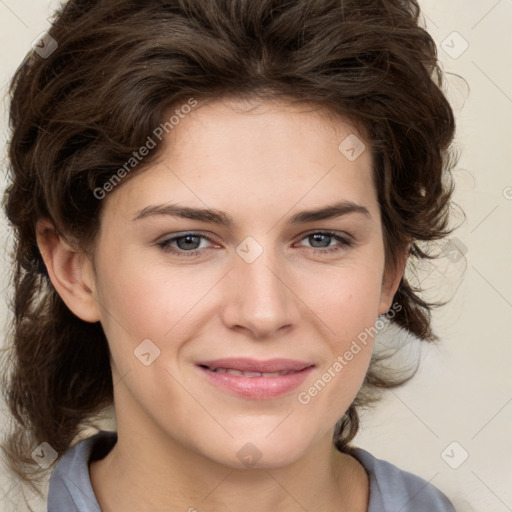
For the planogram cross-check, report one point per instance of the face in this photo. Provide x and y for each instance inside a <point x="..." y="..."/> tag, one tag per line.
<point x="225" y="327"/>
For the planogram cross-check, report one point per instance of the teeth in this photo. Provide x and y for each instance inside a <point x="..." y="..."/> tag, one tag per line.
<point x="250" y="374"/>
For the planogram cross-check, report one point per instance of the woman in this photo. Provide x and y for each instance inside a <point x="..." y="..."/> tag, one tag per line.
<point x="214" y="202"/>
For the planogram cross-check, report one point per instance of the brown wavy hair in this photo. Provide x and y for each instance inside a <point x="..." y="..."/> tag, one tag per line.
<point x="77" y="115"/>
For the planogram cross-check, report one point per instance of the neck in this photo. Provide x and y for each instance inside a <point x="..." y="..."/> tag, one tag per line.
<point x="148" y="466"/>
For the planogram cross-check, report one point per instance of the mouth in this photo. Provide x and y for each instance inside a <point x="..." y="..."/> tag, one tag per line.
<point x="233" y="371"/>
<point x="248" y="365"/>
<point x="253" y="379"/>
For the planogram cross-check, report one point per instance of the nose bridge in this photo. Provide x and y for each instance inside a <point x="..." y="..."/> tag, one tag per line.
<point x="259" y="298"/>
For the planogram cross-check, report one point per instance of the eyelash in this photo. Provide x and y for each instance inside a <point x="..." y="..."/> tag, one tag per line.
<point x="344" y="243"/>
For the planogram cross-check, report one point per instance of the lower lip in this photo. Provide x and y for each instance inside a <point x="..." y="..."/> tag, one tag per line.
<point x="257" y="388"/>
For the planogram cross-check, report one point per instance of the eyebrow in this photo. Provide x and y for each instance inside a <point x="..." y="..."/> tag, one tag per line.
<point x="221" y="218"/>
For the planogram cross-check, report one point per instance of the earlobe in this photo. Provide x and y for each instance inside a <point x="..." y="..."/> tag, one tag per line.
<point x="70" y="271"/>
<point x="391" y="281"/>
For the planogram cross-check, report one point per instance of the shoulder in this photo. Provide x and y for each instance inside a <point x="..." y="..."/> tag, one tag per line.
<point x="392" y="488"/>
<point x="70" y="488"/>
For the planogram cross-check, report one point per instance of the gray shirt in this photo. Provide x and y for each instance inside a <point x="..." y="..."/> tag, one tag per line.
<point x="391" y="489"/>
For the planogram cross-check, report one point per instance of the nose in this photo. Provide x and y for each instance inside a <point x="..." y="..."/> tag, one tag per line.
<point x="259" y="299"/>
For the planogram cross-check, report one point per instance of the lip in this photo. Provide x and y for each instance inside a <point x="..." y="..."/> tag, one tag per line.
<point x="257" y="387"/>
<point x="245" y="364"/>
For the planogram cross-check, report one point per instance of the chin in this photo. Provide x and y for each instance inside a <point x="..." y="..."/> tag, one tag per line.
<point x="263" y="450"/>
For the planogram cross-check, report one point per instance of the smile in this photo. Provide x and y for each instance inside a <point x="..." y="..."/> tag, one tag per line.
<point x="253" y="379"/>
<point x="233" y="371"/>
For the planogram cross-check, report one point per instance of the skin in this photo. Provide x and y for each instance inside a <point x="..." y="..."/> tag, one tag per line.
<point x="179" y="435"/>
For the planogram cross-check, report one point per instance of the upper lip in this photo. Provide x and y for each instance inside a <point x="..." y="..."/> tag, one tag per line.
<point x="244" y="364"/>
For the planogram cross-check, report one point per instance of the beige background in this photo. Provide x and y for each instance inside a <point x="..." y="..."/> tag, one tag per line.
<point x="460" y="403"/>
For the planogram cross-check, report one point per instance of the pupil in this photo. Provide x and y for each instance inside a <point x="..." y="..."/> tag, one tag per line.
<point x="190" y="239"/>
<point x="318" y="238"/>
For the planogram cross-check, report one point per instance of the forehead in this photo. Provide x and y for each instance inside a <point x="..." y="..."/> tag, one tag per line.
<point x="254" y="156"/>
<point x="277" y="125"/>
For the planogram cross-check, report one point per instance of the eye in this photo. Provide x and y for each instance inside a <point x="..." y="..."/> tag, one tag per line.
<point x="321" y="241"/>
<point x="188" y="244"/>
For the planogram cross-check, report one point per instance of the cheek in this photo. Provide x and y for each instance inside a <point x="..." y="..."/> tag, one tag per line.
<point x="165" y="305"/>
<point x="345" y="299"/>
<point x="347" y="305"/>
<point x="349" y="309"/>
<point x="147" y="298"/>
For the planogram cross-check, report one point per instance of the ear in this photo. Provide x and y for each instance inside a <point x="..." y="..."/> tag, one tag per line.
<point x="391" y="280"/>
<point x="70" y="271"/>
